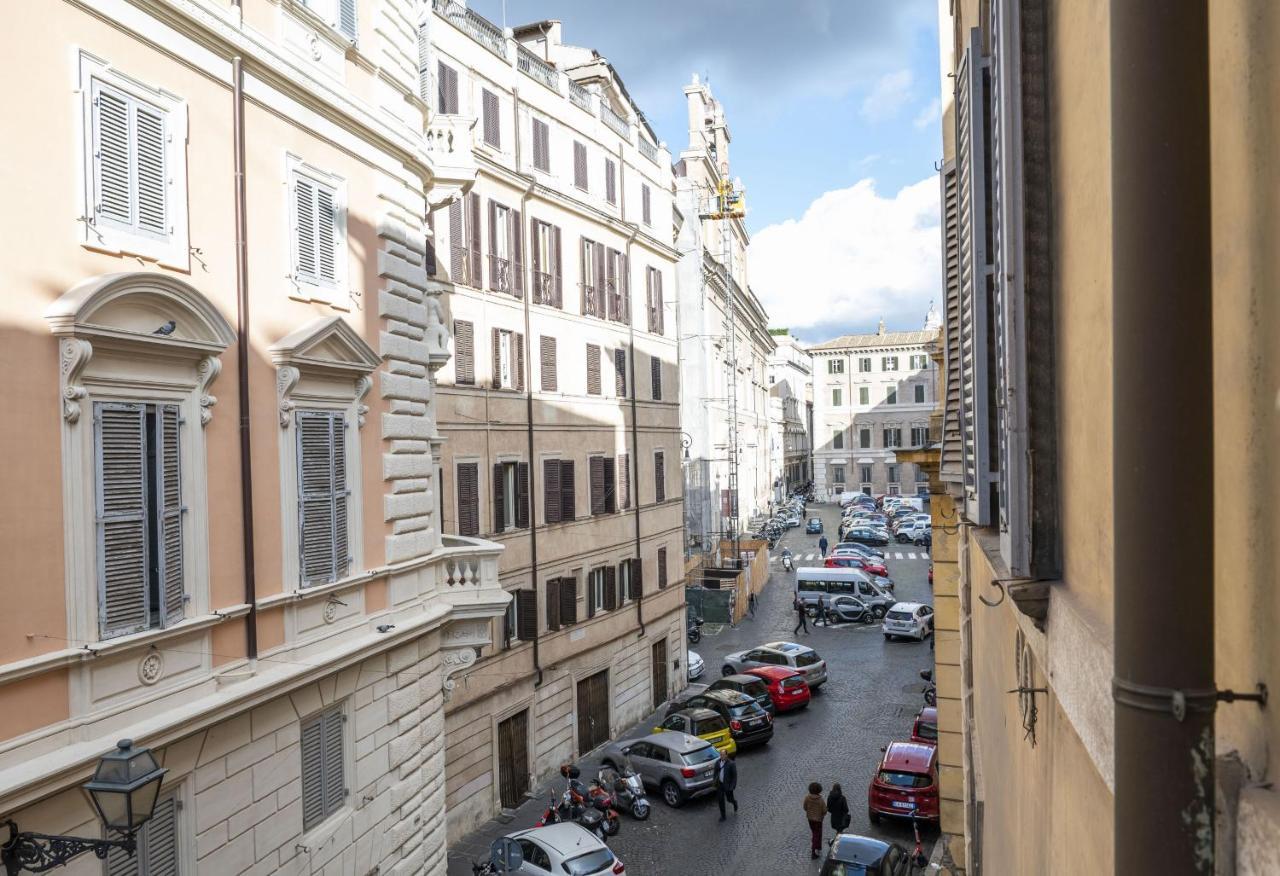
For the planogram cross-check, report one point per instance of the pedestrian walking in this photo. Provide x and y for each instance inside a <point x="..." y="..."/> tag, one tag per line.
<point x="802" y="619"/>
<point x="822" y="546"/>
<point x="838" y="809"/>
<point x="751" y="604"/>
<point x="814" y="810"/>
<point x="726" y="782"/>
<point x="822" y="609"/>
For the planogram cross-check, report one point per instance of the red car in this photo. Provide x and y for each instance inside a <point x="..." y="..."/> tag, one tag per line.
<point x="787" y="687"/>
<point x="925" y="728"/>
<point x="847" y="562"/>
<point x="906" y="782"/>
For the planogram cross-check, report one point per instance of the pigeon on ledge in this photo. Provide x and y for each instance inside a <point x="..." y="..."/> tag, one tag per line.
<point x="166" y="329"/>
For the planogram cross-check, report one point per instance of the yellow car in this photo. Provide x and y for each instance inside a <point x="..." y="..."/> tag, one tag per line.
<point x="703" y="723"/>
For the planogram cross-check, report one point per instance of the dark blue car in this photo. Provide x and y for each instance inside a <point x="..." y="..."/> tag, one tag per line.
<point x="849" y="854"/>
<point x="814" y="526"/>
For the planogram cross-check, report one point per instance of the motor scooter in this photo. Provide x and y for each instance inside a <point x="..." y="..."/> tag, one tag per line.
<point x="695" y="630"/>
<point x="930" y="688"/>
<point x="787" y="563"/>
<point x="628" y="790"/>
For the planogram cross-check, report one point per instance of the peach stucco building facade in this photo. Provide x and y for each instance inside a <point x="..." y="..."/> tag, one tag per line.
<point x="301" y="720"/>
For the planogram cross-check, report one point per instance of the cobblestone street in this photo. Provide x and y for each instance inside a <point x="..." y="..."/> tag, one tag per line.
<point x="871" y="698"/>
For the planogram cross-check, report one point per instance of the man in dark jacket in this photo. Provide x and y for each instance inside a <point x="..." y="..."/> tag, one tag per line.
<point x="726" y="782"/>
<point x="802" y="619"/>
<point x="822" y="546"/>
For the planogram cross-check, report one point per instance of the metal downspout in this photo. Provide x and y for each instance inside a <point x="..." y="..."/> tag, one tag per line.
<point x="528" y="385"/>
<point x="242" y="355"/>
<point x="631" y="386"/>
<point x="1162" y="413"/>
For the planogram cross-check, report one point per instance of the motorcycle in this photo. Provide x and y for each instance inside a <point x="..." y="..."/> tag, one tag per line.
<point x="695" y="630"/>
<point x="628" y="790"/>
<point x="603" y="799"/>
<point x="787" y="563"/>
<point x="930" y="688"/>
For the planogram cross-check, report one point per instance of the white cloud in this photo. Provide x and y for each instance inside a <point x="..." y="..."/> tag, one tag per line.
<point x="891" y="92"/>
<point x="929" y="114"/>
<point x="853" y="258"/>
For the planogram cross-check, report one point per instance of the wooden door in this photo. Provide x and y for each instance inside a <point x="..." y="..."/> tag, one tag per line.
<point x="513" y="759"/>
<point x="593" y="711"/>
<point x="659" y="659"/>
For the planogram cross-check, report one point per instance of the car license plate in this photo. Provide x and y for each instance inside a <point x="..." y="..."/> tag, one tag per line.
<point x="898" y="804"/>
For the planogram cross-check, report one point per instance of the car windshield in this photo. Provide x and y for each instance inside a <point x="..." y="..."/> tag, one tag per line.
<point x="899" y="615"/>
<point x="746" y="710"/>
<point x="793" y="681"/>
<point x="903" y="780"/>
<point x="708" y="725"/>
<point x="591" y="862"/>
<point x="927" y="731"/>
<point x="806" y="659"/>
<point x="699" y="755"/>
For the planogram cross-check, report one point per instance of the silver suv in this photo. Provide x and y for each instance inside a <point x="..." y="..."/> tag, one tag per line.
<point x="677" y="764"/>
<point x="801" y="658"/>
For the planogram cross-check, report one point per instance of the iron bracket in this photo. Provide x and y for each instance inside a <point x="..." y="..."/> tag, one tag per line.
<point x="1178" y="702"/>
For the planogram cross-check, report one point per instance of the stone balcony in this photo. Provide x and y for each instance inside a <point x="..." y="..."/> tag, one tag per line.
<point x="453" y="165"/>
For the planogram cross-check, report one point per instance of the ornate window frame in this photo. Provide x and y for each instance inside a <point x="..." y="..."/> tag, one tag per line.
<point x="109" y="350"/>
<point x="325" y="365"/>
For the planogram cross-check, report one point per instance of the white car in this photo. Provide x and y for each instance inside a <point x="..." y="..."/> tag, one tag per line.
<point x="564" y="848"/>
<point x="912" y="619"/>
<point x="695" y="665"/>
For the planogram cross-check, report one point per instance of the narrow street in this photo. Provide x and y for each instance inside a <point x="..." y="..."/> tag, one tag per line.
<point x="871" y="699"/>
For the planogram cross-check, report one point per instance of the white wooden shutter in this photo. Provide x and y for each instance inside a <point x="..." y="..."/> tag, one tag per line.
<point x="131" y="182"/>
<point x="326" y="234"/>
<point x="334" y="783"/>
<point x="169" y="493"/>
<point x="112" y="155"/>
<point x="347" y="19"/>
<point x="121" y="450"/>
<point x="322" y="497"/>
<point x="316" y="232"/>
<point x="304" y="227"/>
<point x="152" y="179"/>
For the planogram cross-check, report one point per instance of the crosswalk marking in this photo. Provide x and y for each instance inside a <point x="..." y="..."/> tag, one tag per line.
<point x="911" y="556"/>
<point x="808" y="557"/>
<point x="897" y="556"/>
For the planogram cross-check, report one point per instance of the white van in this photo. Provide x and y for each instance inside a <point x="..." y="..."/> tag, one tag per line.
<point x="813" y="582"/>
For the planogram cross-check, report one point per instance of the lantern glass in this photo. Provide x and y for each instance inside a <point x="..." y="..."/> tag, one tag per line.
<point x="125" y="787"/>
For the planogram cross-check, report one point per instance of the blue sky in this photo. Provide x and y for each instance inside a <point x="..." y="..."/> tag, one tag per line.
<point x="832" y="105"/>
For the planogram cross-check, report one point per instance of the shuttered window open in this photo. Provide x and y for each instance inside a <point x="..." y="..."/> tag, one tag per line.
<point x="551" y="490"/>
<point x="139" y="513"/>
<point x="610" y="485"/>
<point x="624" y="480"/>
<point x="593" y="369"/>
<point x="323" y="766"/>
<point x="568" y="601"/>
<point x="464" y="353"/>
<point x="446" y="90"/>
<point x="475" y="270"/>
<point x="659" y="476"/>
<point x="468" y="481"/>
<point x="522" y="495"/>
<point x="316" y="232"/>
<point x="655" y="376"/>
<point x="568" y="494"/>
<point x="551" y="597"/>
<point x="526" y="614"/>
<point x="547" y="363"/>
<point x="610" y="600"/>
<point x="653" y="300"/>
<point x="157" y="845"/>
<point x="322" y="497"/>
<point x="131" y="179"/>
<point x="595" y="471"/>
<point x="490" y="120"/>
<point x="580" y="165"/>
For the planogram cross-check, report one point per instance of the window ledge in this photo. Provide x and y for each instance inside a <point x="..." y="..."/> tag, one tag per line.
<point x="67" y="656"/>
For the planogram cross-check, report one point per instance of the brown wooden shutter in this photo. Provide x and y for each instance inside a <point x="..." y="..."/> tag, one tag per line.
<point x="624" y="480"/>
<point x="624" y="289"/>
<point x="659" y="477"/>
<point x="557" y="270"/>
<point x="620" y="372"/>
<point x="612" y="302"/>
<point x="499" y="512"/>
<point x="551" y="490"/>
<point x="568" y="493"/>
<point x="491" y="120"/>
<point x="649" y="299"/>
<point x="586" y="278"/>
<point x="610" y="588"/>
<point x="658" y="304"/>
<point x="597" y="260"/>
<point x="655" y="373"/>
<point x="457" y="245"/>
<point x="637" y="578"/>
<point x="595" y="471"/>
<point x="662" y="568"/>
<point x="536" y="227"/>
<point x="494" y="279"/>
<point x="517" y="358"/>
<point x="551" y="594"/>
<point x="547" y="359"/>
<point x="517" y="254"/>
<point x="522" y="495"/>
<point x="610" y="181"/>
<point x="593" y="369"/>
<point x="497" y="358"/>
<point x="580" y="165"/>
<point x="464" y="353"/>
<point x="610" y="485"/>
<point x="591" y="592"/>
<point x="447" y="90"/>
<point x="541" y="145"/>
<point x="645" y="212"/>
<point x="568" y="601"/>
<point x="473" y="240"/>
<point x="468" y="498"/>
<point x="526" y="614"/>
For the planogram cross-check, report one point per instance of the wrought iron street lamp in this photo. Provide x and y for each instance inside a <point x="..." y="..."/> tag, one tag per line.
<point x="123" y="791"/>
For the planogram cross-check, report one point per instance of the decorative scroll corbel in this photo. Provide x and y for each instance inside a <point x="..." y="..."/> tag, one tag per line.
<point x="363" y="385"/>
<point x="207" y="370"/>
<point x="75" y="354"/>
<point x="453" y="662"/>
<point x="287" y="378"/>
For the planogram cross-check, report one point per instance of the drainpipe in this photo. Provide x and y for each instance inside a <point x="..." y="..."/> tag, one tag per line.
<point x="242" y="354"/>
<point x="631" y="385"/>
<point x="1162" y="414"/>
<point x="528" y="382"/>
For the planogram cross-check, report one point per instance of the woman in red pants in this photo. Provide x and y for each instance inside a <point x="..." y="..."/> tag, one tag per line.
<point x="815" y="809"/>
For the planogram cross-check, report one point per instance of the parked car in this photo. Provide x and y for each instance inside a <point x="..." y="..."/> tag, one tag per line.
<point x="703" y="723"/>
<point x="851" y="854"/>
<point x="787" y="688"/>
<point x="813" y="583"/>
<point x="750" y="685"/>
<point x="863" y="535"/>
<point x="913" y="619"/>
<point x="565" y="848"/>
<point x="850" y="609"/>
<point x="696" y="666"/>
<point x="859" y="547"/>
<point x="849" y="561"/>
<point x="925" y="728"/>
<point x="906" y="782"/>
<point x="748" y="723"/>
<point x="814" y="526"/>
<point x="801" y="658"/>
<point x="677" y="764"/>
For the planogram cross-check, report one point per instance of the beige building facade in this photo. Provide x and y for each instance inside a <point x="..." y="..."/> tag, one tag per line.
<point x="1035" y="491"/>
<point x="220" y="508"/>
<point x="559" y="409"/>
<point x="790" y="403"/>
